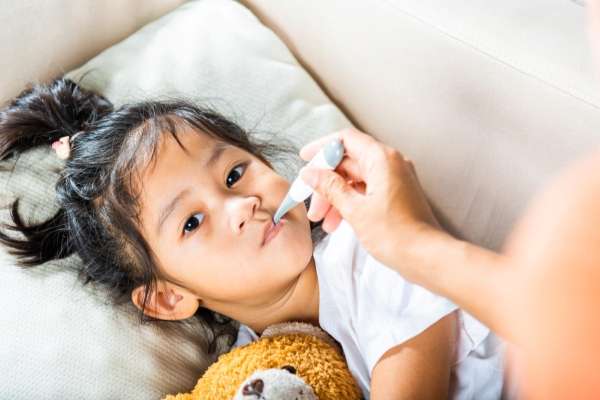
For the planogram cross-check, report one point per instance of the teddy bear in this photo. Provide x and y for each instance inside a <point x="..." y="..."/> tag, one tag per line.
<point x="275" y="383"/>
<point x="292" y="360"/>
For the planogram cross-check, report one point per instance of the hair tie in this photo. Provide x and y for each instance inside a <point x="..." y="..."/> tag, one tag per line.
<point x="62" y="146"/>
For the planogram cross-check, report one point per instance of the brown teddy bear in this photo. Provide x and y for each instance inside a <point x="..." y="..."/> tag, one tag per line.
<point x="290" y="361"/>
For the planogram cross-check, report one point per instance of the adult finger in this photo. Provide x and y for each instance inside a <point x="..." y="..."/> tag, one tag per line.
<point x="332" y="220"/>
<point x="350" y="169"/>
<point x="333" y="187"/>
<point x="318" y="207"/>
<point x="355" y="143"/>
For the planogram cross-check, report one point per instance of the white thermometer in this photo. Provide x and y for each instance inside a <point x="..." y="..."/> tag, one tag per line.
<point x="328" y="157"/>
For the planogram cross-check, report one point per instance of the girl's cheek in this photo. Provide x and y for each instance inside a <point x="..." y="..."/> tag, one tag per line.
<point x="278" y="188"/>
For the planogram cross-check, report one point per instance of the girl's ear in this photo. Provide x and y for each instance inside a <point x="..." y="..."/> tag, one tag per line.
<point x="167" y="302"/>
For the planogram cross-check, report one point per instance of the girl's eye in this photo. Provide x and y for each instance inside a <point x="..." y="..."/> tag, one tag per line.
<point x="193" y="222"/>
<point x="235" y="174"/>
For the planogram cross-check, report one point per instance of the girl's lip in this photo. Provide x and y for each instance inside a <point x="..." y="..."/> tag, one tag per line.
<point x="272" y="230"/>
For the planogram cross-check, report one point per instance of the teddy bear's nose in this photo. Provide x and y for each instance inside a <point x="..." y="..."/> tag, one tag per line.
<point x="254" y="387"/>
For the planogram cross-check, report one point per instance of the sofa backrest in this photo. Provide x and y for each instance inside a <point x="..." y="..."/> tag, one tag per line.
<point x="43" y="39"/>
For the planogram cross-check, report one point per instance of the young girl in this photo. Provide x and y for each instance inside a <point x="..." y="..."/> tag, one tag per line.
<point x="170" y="205"/>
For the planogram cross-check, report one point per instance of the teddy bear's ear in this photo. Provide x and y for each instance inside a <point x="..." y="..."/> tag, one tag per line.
<point x="290" y="369"/>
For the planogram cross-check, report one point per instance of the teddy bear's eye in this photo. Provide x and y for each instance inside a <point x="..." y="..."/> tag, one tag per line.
<point x="290" y="369"/>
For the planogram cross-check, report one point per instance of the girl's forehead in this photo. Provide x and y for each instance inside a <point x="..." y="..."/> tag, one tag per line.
<point x="187" y="139"/>
<point x="185" y="144"/>
<point x="172" y="156"/>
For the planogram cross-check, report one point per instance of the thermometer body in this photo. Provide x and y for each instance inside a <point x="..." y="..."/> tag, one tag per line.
<point x="328" y="157"/>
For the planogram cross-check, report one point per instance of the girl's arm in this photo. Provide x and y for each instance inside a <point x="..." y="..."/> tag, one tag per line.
<point x="418" y="368"/>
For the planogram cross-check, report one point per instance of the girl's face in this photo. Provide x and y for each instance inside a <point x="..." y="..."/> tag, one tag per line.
<point x="205" y="211"/>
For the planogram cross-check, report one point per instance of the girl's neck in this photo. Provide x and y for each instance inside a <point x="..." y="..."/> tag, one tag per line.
<point x="300" y="302"/>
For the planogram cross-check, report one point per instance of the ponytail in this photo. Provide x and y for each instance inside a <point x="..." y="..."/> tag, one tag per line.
<point x="44" y="242"/>
<point x="44" y="113"/>
<point x="37" y="117"/>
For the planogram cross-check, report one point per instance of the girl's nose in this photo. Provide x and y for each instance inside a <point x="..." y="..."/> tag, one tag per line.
<point x="240" y="211"/>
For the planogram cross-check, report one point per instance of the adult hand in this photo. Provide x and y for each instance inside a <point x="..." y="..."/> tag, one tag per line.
<point x="375" y="189"/>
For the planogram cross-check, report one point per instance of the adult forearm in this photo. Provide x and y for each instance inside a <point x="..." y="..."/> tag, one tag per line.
<point x="472" y="277"/>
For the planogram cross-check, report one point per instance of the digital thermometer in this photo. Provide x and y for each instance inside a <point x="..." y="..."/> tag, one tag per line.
<point x="328" y="157"/>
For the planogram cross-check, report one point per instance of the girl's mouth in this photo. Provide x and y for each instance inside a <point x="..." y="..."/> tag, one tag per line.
<point x="272" y="230"/>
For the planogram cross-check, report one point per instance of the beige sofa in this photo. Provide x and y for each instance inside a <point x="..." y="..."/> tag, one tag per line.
<point x="490" y="99"/>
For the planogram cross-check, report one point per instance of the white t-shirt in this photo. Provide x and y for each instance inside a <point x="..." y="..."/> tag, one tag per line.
<point x="369" y="308"/>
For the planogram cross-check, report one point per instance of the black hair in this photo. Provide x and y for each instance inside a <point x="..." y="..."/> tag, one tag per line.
<point x="98" y="215"/>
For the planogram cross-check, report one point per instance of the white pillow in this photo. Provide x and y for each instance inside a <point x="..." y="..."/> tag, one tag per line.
<point x="217" y="52"/>
<point x="60" y="340"/>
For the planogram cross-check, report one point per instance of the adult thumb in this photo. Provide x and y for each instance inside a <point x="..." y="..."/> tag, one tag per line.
<point x="331" y="186"/>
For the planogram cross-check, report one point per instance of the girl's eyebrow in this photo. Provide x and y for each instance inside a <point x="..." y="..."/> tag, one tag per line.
<point x="169" y="208"/>
<point x="216" y="153"/>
